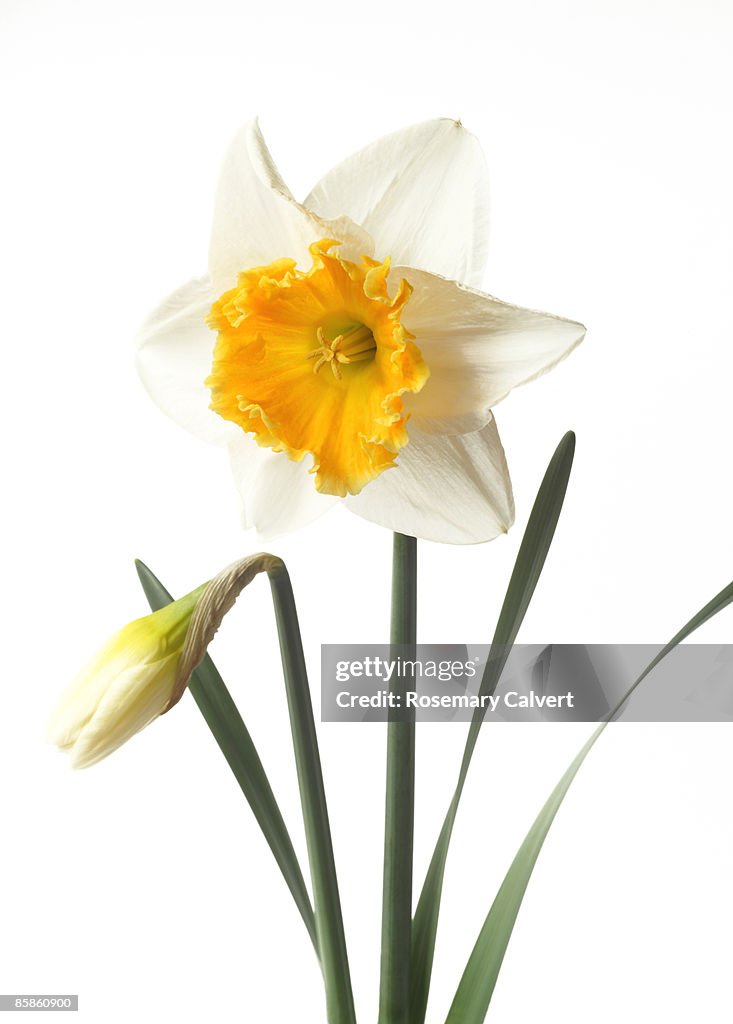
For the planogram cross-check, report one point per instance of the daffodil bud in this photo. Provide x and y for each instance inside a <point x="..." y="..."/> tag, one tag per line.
<point x="144" y="669"/>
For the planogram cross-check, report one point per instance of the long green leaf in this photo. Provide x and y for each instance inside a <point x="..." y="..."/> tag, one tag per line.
<point x="223" y="719"/>
<point x="527" y="569"/>
<point x="476" y="987"/>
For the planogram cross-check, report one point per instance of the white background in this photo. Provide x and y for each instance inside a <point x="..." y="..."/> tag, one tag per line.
<point x="143" y="884"/>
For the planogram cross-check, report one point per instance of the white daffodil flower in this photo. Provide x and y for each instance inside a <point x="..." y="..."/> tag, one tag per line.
<point x="340" y="348"/>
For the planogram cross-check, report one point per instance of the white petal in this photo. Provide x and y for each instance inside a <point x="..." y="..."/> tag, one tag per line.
<point x="133" y="701"/>
<point x="278" y="495"/>
<point x="453" y="489"/>
<point x="174" y="360"/>
<point x="257" y="220"/>
<point x="421" y="193"/>
<point x="81" y="697"/>
<point x="478" y="348"/>
<point x="136" y="645"/>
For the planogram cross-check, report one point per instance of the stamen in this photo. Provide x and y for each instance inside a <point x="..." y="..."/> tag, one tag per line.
<point x="355" y="346"/>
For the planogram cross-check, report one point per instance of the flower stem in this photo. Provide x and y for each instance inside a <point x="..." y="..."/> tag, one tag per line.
<point x="228" y="729"/>
<point x="327" y="904"/>
<point x="394" y="994"/>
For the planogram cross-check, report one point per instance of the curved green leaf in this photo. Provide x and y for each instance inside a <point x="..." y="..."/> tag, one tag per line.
<point x="527" y="569"/>
<point x="476" y="987"/>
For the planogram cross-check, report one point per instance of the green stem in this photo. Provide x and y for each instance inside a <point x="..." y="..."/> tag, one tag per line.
<point x="394" y="993"/>
<point x="228" y="729"/>
<point x="327" y="905"/>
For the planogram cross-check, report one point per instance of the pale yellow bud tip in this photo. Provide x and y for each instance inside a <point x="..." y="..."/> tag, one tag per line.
<point x="145" y="668"/>
<point x="125" y="686"/>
